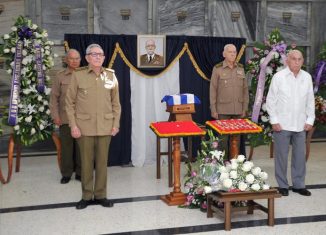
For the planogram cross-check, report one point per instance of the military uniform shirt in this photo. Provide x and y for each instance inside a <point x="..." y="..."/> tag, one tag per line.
<point x="156" y="60"/>
<point x="228" y="90"/>
<point x="58" y="95"/>
<point x="92" y="102"/>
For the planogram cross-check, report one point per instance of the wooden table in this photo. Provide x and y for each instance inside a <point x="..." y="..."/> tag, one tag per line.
<point x="228" y="197"/>
<point x="11" y="152"/>
<point x="234" y="127"/>
<point x="159" y="153"/>
<point x="176" y="130"/>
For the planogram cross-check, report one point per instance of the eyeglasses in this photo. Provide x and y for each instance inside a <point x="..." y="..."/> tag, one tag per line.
<point x="94" y="54"/>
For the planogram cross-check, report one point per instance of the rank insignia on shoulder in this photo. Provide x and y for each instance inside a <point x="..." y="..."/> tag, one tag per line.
<point x="61" y="71"/>
<point x="219" y="65"/>
<point x="81" y="68"/>
<point x="110" y="70"/>
<point x="240" y="65"/>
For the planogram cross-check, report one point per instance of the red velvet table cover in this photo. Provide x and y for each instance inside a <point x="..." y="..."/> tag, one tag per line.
<point x="179" y="128"/>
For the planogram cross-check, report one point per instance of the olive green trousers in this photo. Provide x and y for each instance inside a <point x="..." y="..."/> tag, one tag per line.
<point x="69" y="162"/>
<point x="94" y="150"/>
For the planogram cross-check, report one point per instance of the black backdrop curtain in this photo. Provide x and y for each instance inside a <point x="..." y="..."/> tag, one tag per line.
<point x="206" y="51"/>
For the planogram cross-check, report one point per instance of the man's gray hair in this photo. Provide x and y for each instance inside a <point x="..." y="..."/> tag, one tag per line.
<point x="72" y="50"/>
<point x="152" y="41"/>
<point x="295" y="51"/>
<point x="90" y="47"/>
<point x="229" y="45"/>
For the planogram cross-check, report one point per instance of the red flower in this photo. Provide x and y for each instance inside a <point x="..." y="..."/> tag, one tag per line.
<point x="234" y="190"/>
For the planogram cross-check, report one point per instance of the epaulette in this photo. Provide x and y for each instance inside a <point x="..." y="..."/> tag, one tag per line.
<point x="240" y="65"/>
<point x="61" y="71"/>
<point x="219" y="65"/>
<point x="111" y="70"/>
<point x="81" y="68"/>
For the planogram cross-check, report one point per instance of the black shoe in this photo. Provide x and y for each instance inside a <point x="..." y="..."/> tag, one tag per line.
<point x="302" y="191"/>
<point x="284" y="191"/>
<point x="77" y="177"/>
<point x="104" y="202"/>
<point x="65" y="180"/>
<point x="82" y="204"/>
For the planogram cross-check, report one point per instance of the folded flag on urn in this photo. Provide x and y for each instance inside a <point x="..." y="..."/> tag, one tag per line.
<point x="181" y="99"/>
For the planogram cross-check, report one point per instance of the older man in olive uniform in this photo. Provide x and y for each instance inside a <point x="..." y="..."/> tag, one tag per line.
<point x="229" y="96"/>
<point x="59" y="116"/>
<point x="93" y="109"/>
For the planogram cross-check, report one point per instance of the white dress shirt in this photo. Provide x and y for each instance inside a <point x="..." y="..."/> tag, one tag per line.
<point x="290" y="100"/>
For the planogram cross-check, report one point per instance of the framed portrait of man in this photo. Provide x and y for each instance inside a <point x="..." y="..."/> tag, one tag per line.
<point x="151" y="51"/>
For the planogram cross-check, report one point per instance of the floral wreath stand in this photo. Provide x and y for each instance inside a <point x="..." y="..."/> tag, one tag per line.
<point x="271" y="148"/>
<point x="11" y="148"/>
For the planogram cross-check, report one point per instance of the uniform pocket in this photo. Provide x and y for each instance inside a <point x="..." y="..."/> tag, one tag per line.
<point x="108" y="116"/>
<point x="224" y="99"/>
<point x="83" y="116"/>
<point x="84" y="89"/>
<point x="223" y="82"/>
<point x="239" y="80"/>
<point x="64" y="86"/>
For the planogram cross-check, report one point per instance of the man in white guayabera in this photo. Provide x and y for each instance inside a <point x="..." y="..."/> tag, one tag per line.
<point x="291" y="106"/>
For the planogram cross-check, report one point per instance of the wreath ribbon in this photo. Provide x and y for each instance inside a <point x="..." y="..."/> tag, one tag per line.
<point x="319" y="72"/>
<point x="281" y="49"/>
<point x="39" y="68"/>
<point x="15" y="84"/>
<point x="23" y="33"/>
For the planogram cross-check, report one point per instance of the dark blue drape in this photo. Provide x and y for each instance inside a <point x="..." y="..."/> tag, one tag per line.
<point x="192" y="82"/>
<point x="207" y="51"/>
<point x="120" y="148"/>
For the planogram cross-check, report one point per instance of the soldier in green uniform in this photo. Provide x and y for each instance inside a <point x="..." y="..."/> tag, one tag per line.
<point x="93" y="109"/>
<point x="229" y="96"/>
<point x="59" y="116"/>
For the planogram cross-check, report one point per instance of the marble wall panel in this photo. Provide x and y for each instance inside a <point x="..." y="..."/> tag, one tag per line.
<point x="220" y="23"/>
<point x="296" y="30"/>
<point x="52" y="21"/>
<point x="194" y="23"/>
<point x="318" y="33"/>
<point x="13" y="8"/>
<point x="107" y="18"/>
<point x="250" y="11"/>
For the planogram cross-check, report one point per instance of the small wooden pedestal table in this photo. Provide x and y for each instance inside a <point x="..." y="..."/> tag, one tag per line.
<point x="180" y="112"/>
<point x="228" y="197"/>
<point x="234" y="127"/>
<point x="176" y="130"/>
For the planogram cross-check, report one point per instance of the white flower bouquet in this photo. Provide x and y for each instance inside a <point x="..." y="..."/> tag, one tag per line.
<point x="211" y="173"/>
<point x="239" y="175"/>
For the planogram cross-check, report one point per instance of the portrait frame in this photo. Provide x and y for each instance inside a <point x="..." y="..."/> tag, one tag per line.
<point x="159" y="56"/>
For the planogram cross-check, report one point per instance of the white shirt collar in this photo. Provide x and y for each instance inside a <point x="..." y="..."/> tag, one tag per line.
<point x="288" y="72"/>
